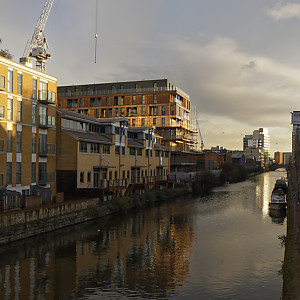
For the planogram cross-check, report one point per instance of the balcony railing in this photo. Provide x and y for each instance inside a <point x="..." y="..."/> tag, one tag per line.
<point x="46" y="178"/>
<point x="47" y="97"/>
<point x="47" y="150"/>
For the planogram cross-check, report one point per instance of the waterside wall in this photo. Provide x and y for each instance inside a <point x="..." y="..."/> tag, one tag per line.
<point x="21" y="224"/>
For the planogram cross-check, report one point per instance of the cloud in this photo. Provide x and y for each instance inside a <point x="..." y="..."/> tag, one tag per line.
<point x="283" y="11"/>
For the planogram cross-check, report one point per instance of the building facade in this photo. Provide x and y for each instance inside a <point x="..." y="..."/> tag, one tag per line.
<point x="106" y="157"/>
<point x="260" y="139"/>
<point x="27" y="134"/>
<point x="157" y="103"/>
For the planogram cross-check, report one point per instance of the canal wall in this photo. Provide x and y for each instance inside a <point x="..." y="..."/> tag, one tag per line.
<point x="25" y="223"/>
<point x="21" y="224"/>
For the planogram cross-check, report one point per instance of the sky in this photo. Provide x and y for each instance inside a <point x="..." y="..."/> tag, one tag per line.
<point x="238" y="60"/>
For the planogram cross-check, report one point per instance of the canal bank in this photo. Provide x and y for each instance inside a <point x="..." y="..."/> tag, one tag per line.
<point x="22" y="224"/>
<point x="291" y="265"/>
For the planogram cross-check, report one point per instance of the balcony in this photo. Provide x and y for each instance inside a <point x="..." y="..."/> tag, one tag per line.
<point x="47" y="97"/>
<point x="46" y="178"/>
<point x="46" y="150"/>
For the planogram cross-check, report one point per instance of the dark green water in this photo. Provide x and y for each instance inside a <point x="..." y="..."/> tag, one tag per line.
<point x="224" y="246"/>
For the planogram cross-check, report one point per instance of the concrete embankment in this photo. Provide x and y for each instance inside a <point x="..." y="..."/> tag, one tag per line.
<point x="21" y="224"/>
<point x="291" y="265"/>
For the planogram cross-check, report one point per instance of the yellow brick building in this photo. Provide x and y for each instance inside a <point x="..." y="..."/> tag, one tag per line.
<point x="106" y="156"/>
<point x="27" y="134"/>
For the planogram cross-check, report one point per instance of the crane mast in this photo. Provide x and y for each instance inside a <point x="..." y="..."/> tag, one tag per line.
<point x="37" y="46"/>
<point x="202" y="143"/>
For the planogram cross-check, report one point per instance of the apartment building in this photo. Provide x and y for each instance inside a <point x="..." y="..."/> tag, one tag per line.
<point x="260" y="140"/>
<point x="27" y="134"/>
<point x="158" y="103"/>
<point x="107" y="157"/>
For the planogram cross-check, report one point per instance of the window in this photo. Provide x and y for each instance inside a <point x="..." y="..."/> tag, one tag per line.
<point x="143" y="122"/>
<point x="157" y="153"/>
<point x="2" y="111"/>
<point x="95" y="101"/>
<point x="34" y="88"/>
<point x="132" y="151"/>
<point x="1" y="146"/>
<point x="143" y="99"/>
<point x="155" y="86"/>
<point x="163" y="121"/>
<point x="154" y="99"/>
<point x="8" y="173"/>
<point x="89" y="175"/>
<point x="122" y="111"/>
<point x="97" y="113"/>
<point x="43" y="91"/>
<point x="33" y="172"/>
<point x="83" y="147"/>
<point x="139" y="152"/>
<point x="19" y="84"/>
<point x="10" y="81"/>
<point x="43" y="115"/>
<point x="43" y="143"/>
<point x="106" y="149"/>
<point x="163" y="110"/>
<point x="133" y="100"/>
<point x="172" y="110"/>
<point x="143" y="110"/>
<point x="9" y="109"/>
<point x="95" y="148"/>
<point x="1" y="180"/>
<point x="33" y="143"/>
<point x="34" y="113"/>
<point x="110" y="175"/>
<point x="116" y="174"/>
<point x="19" y="142"/>
<point x="107" y="101"/>
<point x="19" y="111"/>
<point x="117" y="150"/>
<point x="117" y="112"/>
<point x="123" y="150"/>
<point x="18" y="172"/>
<point x="133" y="122"/>
<point x="154" y="121"/>
<point x="9" y="140"/>
<point x="81" y="177"/>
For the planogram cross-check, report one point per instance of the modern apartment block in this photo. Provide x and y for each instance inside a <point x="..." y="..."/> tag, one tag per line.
<point x="158" y="103"/>
<point x="27" y="134"/>
<point x="106" y="157"/>
<point x="260" y="139"/>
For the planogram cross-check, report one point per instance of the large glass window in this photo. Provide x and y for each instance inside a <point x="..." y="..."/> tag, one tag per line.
<point x="106" y="149"/>
<point x="43" y="115"/>
<point x="34" y="88"/>
<point x="19" y="142"/>
<point x="43" y="90"/>
<point x="8" y="173"/>
<point x="33" y="172"/>
<point x="10" y="81"/>
<point x="33" y="143"/>
<point x="9" y="109"/>
<point x="43" y="143"/>
<point x="19" y="111"/>
<point x="18" y="172"/>
<point x="9" y="140"/>
<point x="34" y="113"/>
<point x="2" y="111"/>
<point x="20" y="84"/>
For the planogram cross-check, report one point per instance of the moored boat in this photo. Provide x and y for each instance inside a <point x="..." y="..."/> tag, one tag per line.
<point x="278" y="201"/>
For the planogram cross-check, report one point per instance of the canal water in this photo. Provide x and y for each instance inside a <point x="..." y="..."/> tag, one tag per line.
<point x="223" y="246"/>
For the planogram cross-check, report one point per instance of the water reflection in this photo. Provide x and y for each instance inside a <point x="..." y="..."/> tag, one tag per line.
<point x="223" y="246"/>
<point x="148" y="253"/>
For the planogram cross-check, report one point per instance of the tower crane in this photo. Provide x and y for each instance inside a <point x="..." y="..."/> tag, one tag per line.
<point x="37" y="46"/>
<point x="202" y="143"/>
